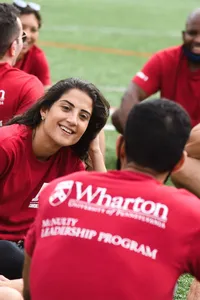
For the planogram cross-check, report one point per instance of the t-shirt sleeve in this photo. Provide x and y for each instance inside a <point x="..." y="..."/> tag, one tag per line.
<point x="79" y="166"/>
<point x="149" y="78"/>
<point x="42" y="70"/>
<point x="4" y="161"/>
<point x="30" y="240"/>
<point x="30" y="93"/>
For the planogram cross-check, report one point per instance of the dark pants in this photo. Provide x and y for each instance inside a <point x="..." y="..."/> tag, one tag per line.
<point x="11" y="260"/>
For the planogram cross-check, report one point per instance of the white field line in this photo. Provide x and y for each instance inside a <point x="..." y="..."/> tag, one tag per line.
<point x="115" y="89"/>
<point x="109" y="127"/>
<point x="113" y="30"/>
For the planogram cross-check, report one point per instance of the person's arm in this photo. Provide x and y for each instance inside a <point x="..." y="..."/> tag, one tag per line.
<point x="96" y="156"/>
<point x="145" y="83"/>
<point x="133" y="95"/>
<point x="193" y="145"/>
<point x="16" y="284"/>
<point x="26" y="273"/>
<point x="194" y="292"/>
<point x="31" y="92"/>
<point x="102" y="143"/>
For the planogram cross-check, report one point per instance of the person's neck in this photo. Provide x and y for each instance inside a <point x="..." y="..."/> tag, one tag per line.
<point x="43" y="147"/>
<point x="20" y="57"/>
<point x="131" y="166"/>
<point x="7" y="60"/>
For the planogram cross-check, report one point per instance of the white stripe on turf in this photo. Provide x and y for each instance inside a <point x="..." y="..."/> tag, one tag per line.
<point x="116" y="89"/>
<point x="109" y="127"/>
<point x="113" y="30"/>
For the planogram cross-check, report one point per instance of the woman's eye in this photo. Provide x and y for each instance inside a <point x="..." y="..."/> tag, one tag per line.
<point x="33" y="29"/>
<point x="84" y="117"/>
<point x="66" y="108"/>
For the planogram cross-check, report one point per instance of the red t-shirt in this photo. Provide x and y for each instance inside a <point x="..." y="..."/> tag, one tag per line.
<point x="34" y="62"/>
<point x="18" y="91"/>
<point x="22" y="176"/>
<point x="114" y="236"/>
<point x="168" y="72"/>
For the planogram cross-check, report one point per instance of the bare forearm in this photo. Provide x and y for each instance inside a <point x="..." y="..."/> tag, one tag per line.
<point x="189" y="176"/>
<point x="16" y="284"/>
<point x="97" y="160"/>
<point x="132" y="96"/>
<point x="194" y="292"/>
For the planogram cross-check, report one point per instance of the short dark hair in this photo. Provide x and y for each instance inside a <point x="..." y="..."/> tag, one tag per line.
<point x="29" y="11"/>
<point x="9" y="28"/>
<point x="100" y="112"/>
<point x="156" y="133"/>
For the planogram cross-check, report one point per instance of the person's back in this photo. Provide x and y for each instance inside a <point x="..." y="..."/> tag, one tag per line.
<point x="18" y="90"/>
<point x="123" y="234"/>
<point x="111" y="238"/>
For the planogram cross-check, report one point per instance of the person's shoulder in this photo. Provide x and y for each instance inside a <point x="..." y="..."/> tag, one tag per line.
<point x="22" y="77"/>
<point x="168" y="53"/>
<point x="37" y="53"/>
<point x="13" y="133"/>
<point x="181" y="198"/>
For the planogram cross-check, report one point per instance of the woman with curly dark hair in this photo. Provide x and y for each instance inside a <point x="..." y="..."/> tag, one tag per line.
<point x="52" y="139"/>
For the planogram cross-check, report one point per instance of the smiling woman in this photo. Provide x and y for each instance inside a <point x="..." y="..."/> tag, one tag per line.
<point x="50" y="140"/>
<point x="32" y="59"/>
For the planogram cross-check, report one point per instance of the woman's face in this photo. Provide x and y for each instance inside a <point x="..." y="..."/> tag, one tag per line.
<point x="31" y="27"/>
<point x="68" y="118"/>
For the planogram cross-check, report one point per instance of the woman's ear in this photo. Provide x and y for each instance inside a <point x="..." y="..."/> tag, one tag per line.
<point x="43" y="113"/>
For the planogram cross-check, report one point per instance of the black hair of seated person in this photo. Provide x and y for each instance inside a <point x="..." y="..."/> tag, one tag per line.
<point x="10" y="29"/>
<point x="156" y="133"/>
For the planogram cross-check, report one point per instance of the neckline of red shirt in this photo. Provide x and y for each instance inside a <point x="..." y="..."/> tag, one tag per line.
<point x="136" y="174"/>
<point x="30" y="149"/>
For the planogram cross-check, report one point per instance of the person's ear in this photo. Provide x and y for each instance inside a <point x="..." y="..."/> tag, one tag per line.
<point x="119" y="142"/>
<point x="180" y="164"/>
<point x="13" y="48"/>
<point x="183" y="35"/>
<point x="43" y="113"/>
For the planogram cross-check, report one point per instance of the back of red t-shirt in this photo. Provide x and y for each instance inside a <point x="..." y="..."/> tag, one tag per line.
<point x="168" y="71"/>
<point x="112" y="236"/>
<point x="18" y="91"/>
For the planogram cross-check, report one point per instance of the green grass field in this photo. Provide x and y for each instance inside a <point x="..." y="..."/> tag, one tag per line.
<point x="106" y="42"/>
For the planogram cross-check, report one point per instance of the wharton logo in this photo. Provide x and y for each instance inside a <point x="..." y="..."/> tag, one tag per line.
<point x="98" y="200"/>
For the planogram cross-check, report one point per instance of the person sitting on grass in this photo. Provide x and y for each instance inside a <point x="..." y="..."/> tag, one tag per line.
<point x="52" y="139"/>
<point x="32" y="59"/>
<point x="125" y="226"/>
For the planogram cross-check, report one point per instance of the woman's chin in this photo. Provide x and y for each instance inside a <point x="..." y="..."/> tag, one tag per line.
<point x="25" y="49"/>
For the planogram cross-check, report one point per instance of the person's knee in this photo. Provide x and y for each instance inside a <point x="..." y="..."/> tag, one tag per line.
<point x="7" y="293"/>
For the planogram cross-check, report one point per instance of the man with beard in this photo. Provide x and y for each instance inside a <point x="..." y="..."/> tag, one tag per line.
<point x="174" y="72"/>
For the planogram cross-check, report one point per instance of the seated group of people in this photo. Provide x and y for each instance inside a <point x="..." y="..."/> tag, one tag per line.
<point x="106" y="234"/>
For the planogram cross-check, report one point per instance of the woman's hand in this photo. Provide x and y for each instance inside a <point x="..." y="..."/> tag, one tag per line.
<point x="16" y="284"/>
<point x="96" y="156"/>
<point x="94" y="146"/>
